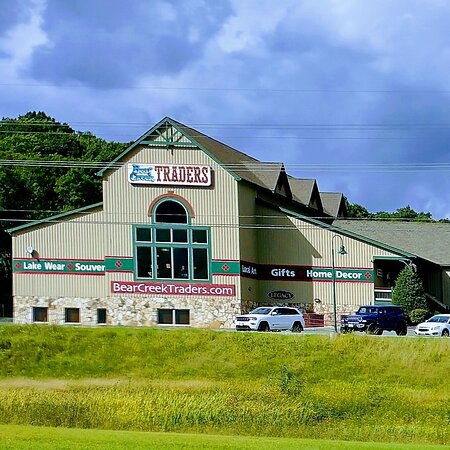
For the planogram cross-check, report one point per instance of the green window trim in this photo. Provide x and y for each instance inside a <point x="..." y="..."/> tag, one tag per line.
<point x="151" y="248"/>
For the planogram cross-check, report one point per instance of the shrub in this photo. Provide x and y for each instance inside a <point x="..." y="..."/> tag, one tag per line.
<point x="408" y="291"/>
<point x="419" y="315"/>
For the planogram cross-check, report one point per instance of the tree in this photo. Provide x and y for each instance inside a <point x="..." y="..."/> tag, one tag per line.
<point x="408" y="291"/>
<point x="407" y="213"/>
<point x="41" y="175"/>
<point x="355" y="210"/>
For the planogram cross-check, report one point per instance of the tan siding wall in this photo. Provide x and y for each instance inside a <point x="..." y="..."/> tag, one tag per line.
<point x="249" y="221"/>
<point x="77" y="238"/>
<point x="109" y="233"/>
<point x="295" y="242"/>
<point x="126" y="204"/>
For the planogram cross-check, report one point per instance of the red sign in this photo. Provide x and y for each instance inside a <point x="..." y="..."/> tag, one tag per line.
<point x="169" y="174"/>
<point x="168" y="288"/>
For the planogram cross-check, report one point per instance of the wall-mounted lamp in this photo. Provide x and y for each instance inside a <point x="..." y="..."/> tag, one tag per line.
<point x="32" y="252"/>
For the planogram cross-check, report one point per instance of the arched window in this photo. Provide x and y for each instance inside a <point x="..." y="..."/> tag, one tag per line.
<point x="170" y="211"/>
<point x="171" y="249"/>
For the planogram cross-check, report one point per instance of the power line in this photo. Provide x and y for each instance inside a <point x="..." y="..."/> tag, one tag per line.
<point x="251" y="167"/>
<point x="228" y="225"/>
<point x="242" y="89"/>
<point x="348" y="125"/>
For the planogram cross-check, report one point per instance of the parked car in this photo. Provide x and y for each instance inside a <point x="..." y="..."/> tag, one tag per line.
<point x="271" y="318"/>
<point x="438" y="325"/>
<point x="374" y="319"/>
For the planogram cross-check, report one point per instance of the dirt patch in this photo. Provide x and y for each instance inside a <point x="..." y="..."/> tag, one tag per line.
<point x="54" y="383"/>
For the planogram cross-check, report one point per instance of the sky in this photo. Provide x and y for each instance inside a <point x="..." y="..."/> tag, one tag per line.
<point x="352" y="93"/>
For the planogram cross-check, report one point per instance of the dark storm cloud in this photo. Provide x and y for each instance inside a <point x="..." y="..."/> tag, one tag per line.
<point x="107" y="44"/>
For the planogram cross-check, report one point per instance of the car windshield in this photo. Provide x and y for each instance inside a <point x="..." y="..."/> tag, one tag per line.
<point x="440" y="319"/>
<point x="367" y="309"/>
<point x="262" y="311"/>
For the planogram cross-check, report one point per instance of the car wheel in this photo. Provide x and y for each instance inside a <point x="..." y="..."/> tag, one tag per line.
<point x="297" y="327"/>
<point x="401" y="330"/>
<point x="445" y="332"/>
<point x="264" y="326"/>
<point x="373" y="329"/>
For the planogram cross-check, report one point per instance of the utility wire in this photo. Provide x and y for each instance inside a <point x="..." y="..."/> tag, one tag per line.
<point x="250" y="167"/>
<point x="241" y="89"/>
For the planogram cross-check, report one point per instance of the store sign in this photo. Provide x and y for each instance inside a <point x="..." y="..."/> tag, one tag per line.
<point x="168" y="288"/>
<point x="82" y="267"/>
<point x="280" y="295"/>
<point x="305" y="273"/>
<point x="169" y="174"/>
<point x="249" y="270"/>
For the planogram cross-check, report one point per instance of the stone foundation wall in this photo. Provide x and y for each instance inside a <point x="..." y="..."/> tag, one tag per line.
<point x="129" y="311"/>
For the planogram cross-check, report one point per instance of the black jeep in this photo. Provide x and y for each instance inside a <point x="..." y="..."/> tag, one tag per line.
<point x="375" y="319"/>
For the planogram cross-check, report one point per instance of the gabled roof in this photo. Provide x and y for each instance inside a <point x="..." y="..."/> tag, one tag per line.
<point x="428" y="240"/>
<point x="267" y="173"/>
<point x="57" y="218"/>
<point x="238" y="164"/>
<point x="333" y="204"/>
<point x="306" y="192"/>
<point x="302" y="189"/>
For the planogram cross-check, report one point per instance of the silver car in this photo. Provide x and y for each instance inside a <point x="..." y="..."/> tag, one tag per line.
<point x="438" y="325"/>
<point x="271" y="318"/>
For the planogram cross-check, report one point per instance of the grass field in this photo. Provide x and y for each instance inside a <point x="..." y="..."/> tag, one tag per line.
<point x="349" y="388"/>
<point x="15" y="437"/>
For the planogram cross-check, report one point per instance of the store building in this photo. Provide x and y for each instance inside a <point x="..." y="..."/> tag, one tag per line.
<point x="193" y="232"/>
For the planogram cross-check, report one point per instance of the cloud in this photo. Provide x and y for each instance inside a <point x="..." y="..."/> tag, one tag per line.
<point x="371" y="76"/>
<point x="106" y="44"/>
<point x="21" y="35"/>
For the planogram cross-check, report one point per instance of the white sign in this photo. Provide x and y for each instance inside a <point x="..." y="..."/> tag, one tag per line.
<point x="190" y="175"/>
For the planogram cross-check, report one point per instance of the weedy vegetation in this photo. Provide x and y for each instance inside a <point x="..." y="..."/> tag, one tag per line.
<point x="355" y="388"/>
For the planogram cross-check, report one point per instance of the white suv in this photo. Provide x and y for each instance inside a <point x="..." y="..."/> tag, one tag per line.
<point x="271" y="318"/>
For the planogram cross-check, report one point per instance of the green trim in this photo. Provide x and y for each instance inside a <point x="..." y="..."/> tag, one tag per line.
<point x="52" y="218"/>
<point x="178" y="126"/>
<point x="390" y="258"/>
<point x="226" y="267"/>
<point x="349" y="234"/>
<point x="137" y="142"/>
<point x="162" y="144"/>
<point x="113" y="264"/>
<point x="73" y="266"/>
<point x="153" y="244"/>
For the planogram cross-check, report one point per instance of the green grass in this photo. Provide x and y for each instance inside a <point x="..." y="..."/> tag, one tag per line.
<point x="38" y="438"/>
<point x="352" y="388"/>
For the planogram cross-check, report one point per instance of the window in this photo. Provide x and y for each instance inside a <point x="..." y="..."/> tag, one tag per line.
<point x="40" y="314"/>
<point x="101" y="315"/>
<point x="72" y="315"/>
<point x="173" y="316"/>
<point x="171" y="248"/>
<point x="170" y="211"/>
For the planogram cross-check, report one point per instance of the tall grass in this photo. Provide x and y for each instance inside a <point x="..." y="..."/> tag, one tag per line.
<point x="350" y="387"/>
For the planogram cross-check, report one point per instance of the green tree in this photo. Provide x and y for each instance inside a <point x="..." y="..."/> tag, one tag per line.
<point x="356" y="211"/>
<point x="408" y="291"/>
<point x="406" y="213"/>
<point x="47" y="167"/>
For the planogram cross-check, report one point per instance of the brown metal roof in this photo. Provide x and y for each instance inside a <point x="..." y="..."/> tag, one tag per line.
<point x="332" y="203"/>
